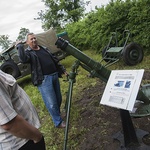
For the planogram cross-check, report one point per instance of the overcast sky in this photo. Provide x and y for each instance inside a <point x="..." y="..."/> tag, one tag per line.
<point x="17" y="14"/>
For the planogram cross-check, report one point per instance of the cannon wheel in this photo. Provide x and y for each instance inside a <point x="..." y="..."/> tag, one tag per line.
<point x="11" y="68"/>
<point x="132" y="54"/>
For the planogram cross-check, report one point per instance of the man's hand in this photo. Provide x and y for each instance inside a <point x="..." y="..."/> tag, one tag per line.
<point x="38" y="138"/>
<point x="66" y="73"/>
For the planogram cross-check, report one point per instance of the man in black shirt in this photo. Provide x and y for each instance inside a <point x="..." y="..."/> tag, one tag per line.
<point x="44" y="74"/>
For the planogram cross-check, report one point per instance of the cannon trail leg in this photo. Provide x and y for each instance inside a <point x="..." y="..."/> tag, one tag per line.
<point x="68" y="115"/>
<point x="72" y="77"/>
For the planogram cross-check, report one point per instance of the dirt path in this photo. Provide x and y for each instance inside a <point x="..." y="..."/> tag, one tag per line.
<point x="102" y="122"/>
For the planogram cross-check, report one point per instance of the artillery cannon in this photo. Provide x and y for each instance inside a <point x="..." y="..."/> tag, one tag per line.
<point x="131" y="138"/>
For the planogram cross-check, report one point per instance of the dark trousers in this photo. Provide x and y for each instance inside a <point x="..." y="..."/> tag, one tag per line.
<point x="30" y="145"/>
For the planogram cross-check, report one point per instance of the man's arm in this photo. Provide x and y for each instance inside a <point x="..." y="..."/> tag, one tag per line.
<point x="19" y="127"/>
<point x="22" y="54"/>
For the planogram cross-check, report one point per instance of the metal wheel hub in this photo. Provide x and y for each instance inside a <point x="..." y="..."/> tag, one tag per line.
<point x="134" y="54"/>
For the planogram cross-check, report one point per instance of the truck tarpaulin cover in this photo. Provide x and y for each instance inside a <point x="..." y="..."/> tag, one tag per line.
<point x="48" y="39"/>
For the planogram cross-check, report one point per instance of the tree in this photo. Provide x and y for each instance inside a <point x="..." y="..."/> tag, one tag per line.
<point x="4" y="41"/>
<point x="22" y="34"/>
<point x="61" y="12"/>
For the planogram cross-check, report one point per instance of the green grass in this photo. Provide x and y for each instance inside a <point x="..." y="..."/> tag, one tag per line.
<point x="55" y="137"/>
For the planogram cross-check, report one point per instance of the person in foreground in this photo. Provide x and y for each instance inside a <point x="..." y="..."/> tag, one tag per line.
<point x="45" y="70"/>
<point x="19" y="121"/>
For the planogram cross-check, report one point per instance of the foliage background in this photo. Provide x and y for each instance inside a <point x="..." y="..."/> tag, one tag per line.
<point x="93" y="32"/>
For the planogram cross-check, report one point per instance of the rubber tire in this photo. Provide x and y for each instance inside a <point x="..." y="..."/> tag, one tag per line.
<point x="11" y="68"/>
<point x="132" y="54"/>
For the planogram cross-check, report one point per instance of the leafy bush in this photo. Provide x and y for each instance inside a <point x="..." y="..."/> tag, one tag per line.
<point x="93" y="32"/>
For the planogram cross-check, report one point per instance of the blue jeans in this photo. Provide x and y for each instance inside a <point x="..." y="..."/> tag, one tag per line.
<point x="51" y="94"/>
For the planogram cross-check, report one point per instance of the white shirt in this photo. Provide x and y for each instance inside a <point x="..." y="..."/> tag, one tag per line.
<point x="13" y="101"/>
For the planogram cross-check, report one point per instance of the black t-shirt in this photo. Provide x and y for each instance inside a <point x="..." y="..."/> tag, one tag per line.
<point x="47" y="64"/>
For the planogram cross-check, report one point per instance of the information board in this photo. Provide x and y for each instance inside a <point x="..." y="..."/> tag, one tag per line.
<point x="122" y="88"/>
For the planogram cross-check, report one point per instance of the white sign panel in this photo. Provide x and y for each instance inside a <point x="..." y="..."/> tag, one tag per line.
<point x="122" y="88"/>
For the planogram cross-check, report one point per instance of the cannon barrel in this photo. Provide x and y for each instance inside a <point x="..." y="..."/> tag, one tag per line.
<point x="99" y="70"/>
<point x="96" y="67"/>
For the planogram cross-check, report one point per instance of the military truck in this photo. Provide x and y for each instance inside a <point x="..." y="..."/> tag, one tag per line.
<point x="9" y="59"/>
